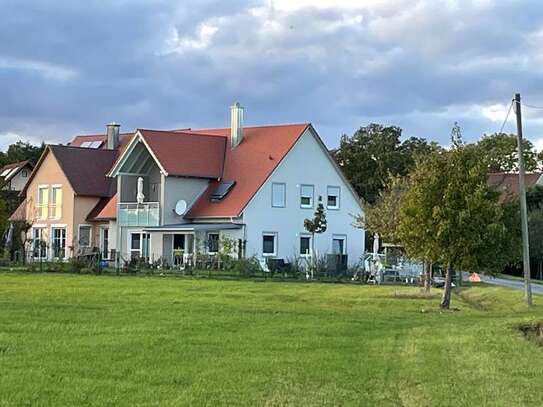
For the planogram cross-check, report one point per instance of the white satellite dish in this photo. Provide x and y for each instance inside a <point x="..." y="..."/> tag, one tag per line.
<point x="180" y="207"/>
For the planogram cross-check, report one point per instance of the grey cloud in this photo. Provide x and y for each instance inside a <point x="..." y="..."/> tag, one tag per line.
<point x="421" y="66"/>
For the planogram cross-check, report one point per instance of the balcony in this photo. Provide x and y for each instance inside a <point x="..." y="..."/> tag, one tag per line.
<point x="134" y="214"/>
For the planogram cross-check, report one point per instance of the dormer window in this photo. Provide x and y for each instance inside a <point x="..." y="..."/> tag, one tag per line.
<point x="222" y="190"/>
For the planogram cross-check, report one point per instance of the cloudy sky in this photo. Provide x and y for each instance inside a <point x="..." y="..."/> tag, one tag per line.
<point x="70" y="67"/>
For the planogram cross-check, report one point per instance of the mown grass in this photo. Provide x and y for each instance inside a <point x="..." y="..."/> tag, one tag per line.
<point x="88" y="340"/>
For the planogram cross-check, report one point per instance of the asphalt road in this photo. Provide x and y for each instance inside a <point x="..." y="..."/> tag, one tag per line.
<point x="516" y="284"/>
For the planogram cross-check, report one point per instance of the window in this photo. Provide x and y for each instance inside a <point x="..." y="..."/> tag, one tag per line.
<point x="305" y="245"/>
<point x="139" y="245"/>
<point x="104" y="243"/>
<point x="333" y="198"/>
<point x="306" y="196"/>
<point x="24" y="173"/>
<point x="55" y="208"/>
<point x="213" y="243"/>
<point x="338" y="244"/>
<point x="279" y="194"/>
<point x="43" y="200"/>
<point x="84" y="236"/>
<point x="58" y="243"/>
<point x="269" y="244"/>
<point x="39" y="243"/>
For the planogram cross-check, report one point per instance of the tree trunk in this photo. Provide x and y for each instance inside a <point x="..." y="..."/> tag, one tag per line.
<point x="427" y="277"/>
<point x="446" y="299"/>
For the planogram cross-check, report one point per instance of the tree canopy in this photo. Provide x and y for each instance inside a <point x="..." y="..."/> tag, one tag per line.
<point x="383" y="217"/>
<point x="500" y="151"/>
<point x="21" y="151"/>
<point x="451" y="216"/>
<point x="375" y="152"/>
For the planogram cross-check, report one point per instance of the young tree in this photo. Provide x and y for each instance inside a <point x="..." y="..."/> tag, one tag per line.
<point x="314" y="226"/>
<point x="451" y="216"/>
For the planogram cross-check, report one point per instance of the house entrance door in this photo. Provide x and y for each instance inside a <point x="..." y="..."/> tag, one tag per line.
<point x="179" y="249"/>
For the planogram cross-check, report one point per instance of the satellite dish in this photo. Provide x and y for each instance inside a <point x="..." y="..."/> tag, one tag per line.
<point x="180" y="207"/>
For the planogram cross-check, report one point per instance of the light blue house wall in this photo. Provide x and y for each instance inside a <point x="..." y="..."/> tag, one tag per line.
<point x="306" y="164"/>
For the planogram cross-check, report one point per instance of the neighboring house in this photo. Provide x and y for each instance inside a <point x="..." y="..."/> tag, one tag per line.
<point x="13" y="177"/>
<point x="63" y="196"/>
<point x="171" y="194"/>
<point x="508" y="183"/>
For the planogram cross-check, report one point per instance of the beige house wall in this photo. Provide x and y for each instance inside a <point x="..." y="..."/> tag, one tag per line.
<point x="50" y="174"/>
<point x="75" y="209"/>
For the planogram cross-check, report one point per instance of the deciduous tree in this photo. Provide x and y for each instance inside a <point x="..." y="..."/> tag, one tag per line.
<point x="450" y="215"/>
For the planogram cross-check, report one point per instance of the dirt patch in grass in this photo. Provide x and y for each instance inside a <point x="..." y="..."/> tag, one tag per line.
<point x="533" y="332"/>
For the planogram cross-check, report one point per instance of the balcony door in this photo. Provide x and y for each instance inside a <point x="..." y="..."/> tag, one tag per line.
<point x="179" y="249"/>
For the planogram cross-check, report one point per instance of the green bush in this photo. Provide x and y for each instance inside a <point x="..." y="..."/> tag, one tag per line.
<point x="246" y="267"/>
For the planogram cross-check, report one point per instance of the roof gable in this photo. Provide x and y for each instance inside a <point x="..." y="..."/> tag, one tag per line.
<point x="179" y="153"/>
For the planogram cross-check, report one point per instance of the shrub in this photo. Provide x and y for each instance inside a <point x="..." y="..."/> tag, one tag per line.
<point x="246" y="267"/>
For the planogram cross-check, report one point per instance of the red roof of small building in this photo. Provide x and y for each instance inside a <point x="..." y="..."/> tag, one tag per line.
<point x="186" y="154"/>
<point x="249" y="164"/>
<point x="508" y="183"/>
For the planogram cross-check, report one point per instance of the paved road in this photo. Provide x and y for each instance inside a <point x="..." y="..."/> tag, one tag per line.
<point x="517" y="284"/>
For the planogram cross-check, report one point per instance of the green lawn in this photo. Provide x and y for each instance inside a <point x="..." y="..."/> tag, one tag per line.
<point x="80" y="340"/>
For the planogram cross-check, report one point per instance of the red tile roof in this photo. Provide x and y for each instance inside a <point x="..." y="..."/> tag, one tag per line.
<point x="124" y="139"/>
<point x="249" y="164"/>
<point x="185" y="154"/>
<point x="105" y="209"/>
<point x="508" y="183"/>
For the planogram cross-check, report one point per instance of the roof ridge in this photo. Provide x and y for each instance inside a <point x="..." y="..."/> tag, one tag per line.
<point x="79" y="147"/>
<point x="185" y="132"/>
<point x="255" y="126"/>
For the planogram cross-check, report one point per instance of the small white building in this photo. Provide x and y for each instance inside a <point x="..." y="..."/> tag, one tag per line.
<point x="251" y="187"/>
<point x="13" y="177"/>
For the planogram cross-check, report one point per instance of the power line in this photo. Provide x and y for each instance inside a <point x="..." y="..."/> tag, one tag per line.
<point x="506" y="117"/>
<point x="532" y="106"/>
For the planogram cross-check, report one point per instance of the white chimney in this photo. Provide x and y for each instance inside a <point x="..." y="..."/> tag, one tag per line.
<point x="112" y="135"/>
<point x="236" y="124"/>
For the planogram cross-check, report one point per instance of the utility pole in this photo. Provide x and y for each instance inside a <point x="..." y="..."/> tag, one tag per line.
<point x="523" y="210"/>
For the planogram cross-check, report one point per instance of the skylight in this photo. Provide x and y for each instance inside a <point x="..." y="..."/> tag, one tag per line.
<point x="91" y="144"/>
<point x="5" y="172"/>
<point x="222" y="190"/>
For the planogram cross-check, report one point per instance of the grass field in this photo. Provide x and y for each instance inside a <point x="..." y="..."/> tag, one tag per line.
<point x="87" y="340"/>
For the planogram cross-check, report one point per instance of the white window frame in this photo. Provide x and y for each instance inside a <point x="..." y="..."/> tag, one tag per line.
<point x="339" y="237"/>
<point x="275" y="244"/>
<point x="59" y="227"/>
<point x="312" y="197"/>
<point x="40" y="205"/>
<point x="105" y="254"/>
<point x="140" y="250"/>
<point x="338" y="197"/>
<point x="284" y="186"/>
<point x="41" y="229"/>
<point x="218" y="242"/>
<point x="79" y="234"/>
<point x="308" y="236"/>
<point x="53" y="207"/>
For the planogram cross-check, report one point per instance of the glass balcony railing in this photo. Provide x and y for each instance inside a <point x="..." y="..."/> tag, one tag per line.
<point x="135" y="214"/>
